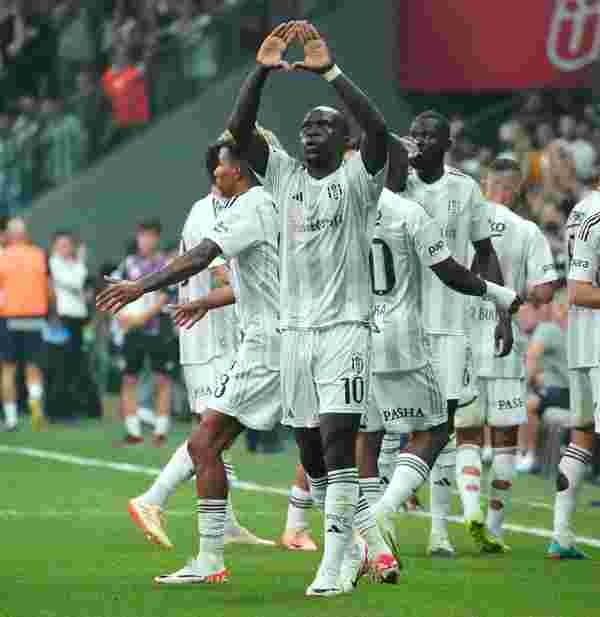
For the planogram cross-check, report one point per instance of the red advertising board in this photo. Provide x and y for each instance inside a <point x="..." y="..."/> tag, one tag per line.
<point x="461" y="45"/>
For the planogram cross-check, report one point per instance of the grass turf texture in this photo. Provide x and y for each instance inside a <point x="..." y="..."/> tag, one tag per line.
<point x="69" y="548"/>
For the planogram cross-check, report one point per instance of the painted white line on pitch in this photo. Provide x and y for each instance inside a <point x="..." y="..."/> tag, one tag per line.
<point x="247" y="486"/>
<point x="536" y="505"/>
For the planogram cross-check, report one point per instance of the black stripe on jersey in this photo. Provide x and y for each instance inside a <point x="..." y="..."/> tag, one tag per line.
<point x="230" y="202"/>
<point x="587" y="225"/>
<point x="455" y="172"/>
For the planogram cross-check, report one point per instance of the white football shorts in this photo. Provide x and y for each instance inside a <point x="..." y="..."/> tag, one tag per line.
<point x="500" y="402"/>
<point x="447" y="353"/>
<point x="249" y="391"/>
<point x="200" y="381"/>
<point x="405" y="401"/>
<point x="324" y="371"/>
<point x="584" y="394"/>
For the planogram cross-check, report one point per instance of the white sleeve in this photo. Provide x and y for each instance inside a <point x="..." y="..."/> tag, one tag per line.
<point x="480" y="216"/>
<point x="428" y="240"/>
<point x="237" y="228"/>
<point x="279" y="165"/>
<point x="367" y="186"/>
<point x="584" y="263"/>
<point x="540" y="263"/>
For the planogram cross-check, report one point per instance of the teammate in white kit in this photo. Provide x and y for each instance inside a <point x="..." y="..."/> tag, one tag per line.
<point x="249" y="395"/>
<point x="406" y="397"/>
<point x="496" y="394"/>
<point x="328" y="209"/>
<point x="583" y="342"/>
<point x="207" y="350"/>
<point x="455" y="201"/>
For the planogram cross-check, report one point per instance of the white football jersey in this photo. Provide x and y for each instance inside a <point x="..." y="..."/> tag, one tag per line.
<point x="583" y="340"/>
<point x="216" y="335"/>
<point x="326" y="232"/>
<point x="456" y="203"/>
<point x="406" y="240"/>
<point x="247" y="230"/>
<point x="526" y="261"/>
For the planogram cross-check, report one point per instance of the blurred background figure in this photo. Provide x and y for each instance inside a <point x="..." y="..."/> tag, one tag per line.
<point x="140" y="324"/>
<point x="546" y="374"/>
<point x="70" y="389"/>
<point x="24" y="303"/>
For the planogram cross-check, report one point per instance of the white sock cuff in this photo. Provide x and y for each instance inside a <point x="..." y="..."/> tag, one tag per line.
<point x="579" y="454"/>
<point x="161" y="425"/>
<point x="300" y="498"/>
<point x="133" y="426"/>
<point x="415" y="463"/>
<point x="35" y="391"/>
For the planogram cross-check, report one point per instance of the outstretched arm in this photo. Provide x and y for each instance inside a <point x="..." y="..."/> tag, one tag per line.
<point x="119" y="294"/>
<point x="187" y="315"/>
<point x="243" y="118"/>
<point x="317" y="58"/>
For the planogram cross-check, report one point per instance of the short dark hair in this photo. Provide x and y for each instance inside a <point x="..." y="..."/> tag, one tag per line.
<point x="60" y="233"/>
<point x="212" y="158"/>
<point x="432" y="114"/>
<point x="503" y="165"/>
<point x="150" y="225"/>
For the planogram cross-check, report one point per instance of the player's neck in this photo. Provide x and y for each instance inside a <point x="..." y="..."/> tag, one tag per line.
<point x="322" y="169"/>
<point x="429" y="176"/>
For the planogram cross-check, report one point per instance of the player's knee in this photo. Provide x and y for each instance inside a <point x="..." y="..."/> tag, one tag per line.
<point x="562" y="482"/>
<point x="502" y="485"/>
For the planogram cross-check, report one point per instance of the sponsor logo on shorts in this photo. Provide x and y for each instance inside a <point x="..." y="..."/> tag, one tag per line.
<point x="513" y="403"/>
<point x="580" y="263"/>
<point x="483" y="313"/>
<point x="434" y="249"/>
<point x="401" y="413"/>
<point x="358" y="363"/>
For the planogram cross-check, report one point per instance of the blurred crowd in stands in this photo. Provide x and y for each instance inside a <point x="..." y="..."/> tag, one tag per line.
<point x="79" y="77"/>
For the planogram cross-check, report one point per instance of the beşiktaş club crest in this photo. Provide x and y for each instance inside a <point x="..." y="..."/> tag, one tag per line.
<point x="358" y="363"/>
<point x="574" y="37"/>
<point x="335" y="191"/>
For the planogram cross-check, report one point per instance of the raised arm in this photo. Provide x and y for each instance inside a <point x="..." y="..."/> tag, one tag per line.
<point x="318" y="59"/>
<point x="243" y="118"/>
<point x="119" y="294"/>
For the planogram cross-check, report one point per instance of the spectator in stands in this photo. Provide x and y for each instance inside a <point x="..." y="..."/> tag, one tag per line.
<point x="27" y="132"/>
<point x="573" y="137"/>
<point x="198" y="45"/>
<point x="24" y="304"/>
<point x="10" y="194"/>
<point x="124" y="84"/>
<point x="12" y="39"/>
<point x="76" y="46"/>
<point x="140" y="322"/>
<point x="546" y="374"/>
<point x="93" y="110"/>
<point x="63" y="142"/>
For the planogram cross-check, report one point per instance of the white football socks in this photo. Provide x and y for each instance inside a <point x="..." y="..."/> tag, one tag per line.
<point x="366" y="525"/>
<point x="299" y="503"/>
<point x="340" y="508"/>
<point x="441" y="477"/>
<point x="572" y="468"/>
<point x="318" y="490"/>
<point x="211" y="533"/>
<point x="468" y="479"/>
<point x="133" y="426"/>
<point x="179" y="469"/>
<point x="411" y="472"/>
<point x="503" y="471"/>
<point x="10" y="414"/>
<point x="390" y="448"/>
<point x="372" y="489"/>
<point x="161" y="425"/>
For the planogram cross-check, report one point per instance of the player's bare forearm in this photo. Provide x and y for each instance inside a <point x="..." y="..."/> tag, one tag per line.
<point x="375" y="145"/>
<point x="541" y="294"/>
<point x="181" y="268"/>
<point x="458" y="278"/>
<point x="583" y="294"/>
<point x="217" y="298"/>
<point x="243" y="119"/>
<point x="486" y="262"/>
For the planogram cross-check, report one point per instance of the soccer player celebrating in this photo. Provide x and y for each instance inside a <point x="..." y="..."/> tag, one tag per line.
<point x="406" y="393"/>
<point x="583" y="249"/>
<point x="207" y="349"/>
<point x="249" y="394"/>
<point x="455" y="201"/>
<point x="328" y="209"/>
<point x="498" y="384"/>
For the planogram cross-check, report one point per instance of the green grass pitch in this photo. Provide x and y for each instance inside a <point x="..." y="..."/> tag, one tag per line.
<point x="68" y="548"/>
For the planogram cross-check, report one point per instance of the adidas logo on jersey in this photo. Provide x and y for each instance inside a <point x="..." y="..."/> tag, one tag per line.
<point x="399" y="413"/>
<point x="298" y="197"/>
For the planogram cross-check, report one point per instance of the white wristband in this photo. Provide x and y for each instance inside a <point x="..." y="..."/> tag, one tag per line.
<point x="332" y="73"/>
<point x="502" y="297"/>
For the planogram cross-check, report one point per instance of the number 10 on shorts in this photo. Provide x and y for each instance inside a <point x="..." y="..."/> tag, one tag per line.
<point x="354" y="389"/>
